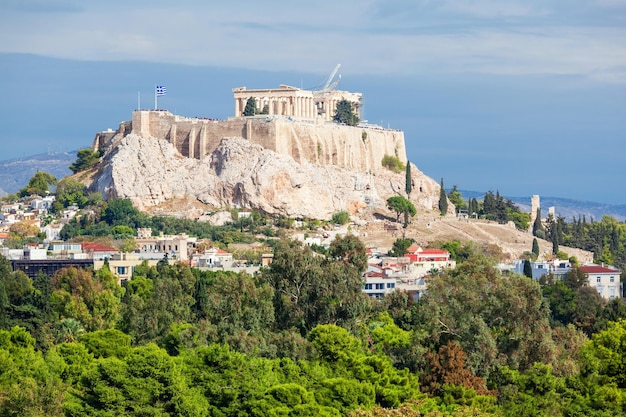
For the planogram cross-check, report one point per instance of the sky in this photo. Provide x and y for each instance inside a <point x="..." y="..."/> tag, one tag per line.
<point x="523" y="97"/>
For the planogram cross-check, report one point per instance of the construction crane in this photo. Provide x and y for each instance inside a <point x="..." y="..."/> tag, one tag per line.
<point x="330" y="84"/>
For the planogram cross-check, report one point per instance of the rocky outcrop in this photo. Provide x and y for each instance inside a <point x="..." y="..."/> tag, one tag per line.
<point x="241" y="174"/>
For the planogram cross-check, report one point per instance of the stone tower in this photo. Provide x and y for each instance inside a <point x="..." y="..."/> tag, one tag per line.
<point x="534" y="206"/>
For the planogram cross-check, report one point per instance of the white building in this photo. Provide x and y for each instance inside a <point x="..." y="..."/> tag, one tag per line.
<point x="558" y="268"/>
<point x="377" y="284"/>
<point x="605" y="280"/>
<point x="52" y="231"/>
<point x="211" y="258"/>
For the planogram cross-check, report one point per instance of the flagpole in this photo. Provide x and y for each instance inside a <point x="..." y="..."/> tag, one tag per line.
<point x="155" y="97"/>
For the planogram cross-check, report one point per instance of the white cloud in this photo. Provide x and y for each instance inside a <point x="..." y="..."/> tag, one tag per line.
<point x="491" y="8"/>
<point x="361" y="36"/>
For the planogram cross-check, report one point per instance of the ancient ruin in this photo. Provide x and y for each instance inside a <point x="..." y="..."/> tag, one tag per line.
<point x="279" y="162"/>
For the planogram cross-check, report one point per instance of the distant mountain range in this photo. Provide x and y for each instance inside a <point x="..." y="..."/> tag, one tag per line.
<point x="566" y="207"/>
<point x="15" y="173"/>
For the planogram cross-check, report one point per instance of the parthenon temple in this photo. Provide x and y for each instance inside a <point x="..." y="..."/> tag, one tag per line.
<point x="294" y="102"/>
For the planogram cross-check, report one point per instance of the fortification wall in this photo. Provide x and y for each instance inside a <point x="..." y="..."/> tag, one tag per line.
<point x="360" y="149"/>
<point x="317" y="142"/>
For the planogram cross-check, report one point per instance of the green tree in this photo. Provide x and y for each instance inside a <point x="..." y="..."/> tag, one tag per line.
<point x="107" y="343"/>
<point x="29" y="386"/>
<point x="535" y="249"/>
<point x="341" y="217"/>
<point x="237" y="307"/>
<point x="400" y="246"/>
<point x="250" y="109"/>
<point x="38" y="184"/>
<point x="122" y="212"/>
<point x="468" y="305"/>
<point x="70" y="191"/>
<point x="86" y="159"/>
<point x="576" y="278"/>
<point x="309" y="289"/>
<point x="122" y="232"/>
<point x="605" y="355"/>
<point x="147" y="382"/>
<point x="400" y="205"/>
<point x="92" y="300"/>
<point x="68" y="330"/>
<point x="349" y="249"/>
<point x="537" y="226"/>
<point x="333" y="342"/>
<point x="443" y="199"/>
<point x="528" y="270"/>
<point x="456" y="198"/>
<point x="344" y="113"/>
<point x="408" y="180"/>
<point x="150" y="307"/>
<point x="473" y="207"/>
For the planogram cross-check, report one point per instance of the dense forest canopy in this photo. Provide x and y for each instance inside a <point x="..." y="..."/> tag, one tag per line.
<point x="301" y="339"/>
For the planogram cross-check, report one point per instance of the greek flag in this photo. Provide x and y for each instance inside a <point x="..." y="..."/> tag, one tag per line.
<point x="160" y="90"/>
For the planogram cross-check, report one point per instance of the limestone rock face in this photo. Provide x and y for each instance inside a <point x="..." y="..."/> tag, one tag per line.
<point x="240" y="174"/>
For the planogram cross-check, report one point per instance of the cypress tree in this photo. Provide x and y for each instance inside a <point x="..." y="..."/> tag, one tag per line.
<point x="528" y="270"/>
<point x="250" y="109"/>
<point x="555" y="245"/>
<point x="537" y="224"/>
<point x="535" y="249"/>
<point x="443" y="200"/>
<point x="473" y="206"/>
<point x="408" y="181"/>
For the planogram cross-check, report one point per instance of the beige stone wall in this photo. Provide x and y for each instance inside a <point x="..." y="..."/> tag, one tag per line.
<point x="317" y="142"/>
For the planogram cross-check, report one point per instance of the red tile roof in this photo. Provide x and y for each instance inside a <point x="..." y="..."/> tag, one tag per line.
<point x="434" y="252"/>
<point x="597" y="269"/>
<point x="413" y="248"/>
<point x="96" y="247"/>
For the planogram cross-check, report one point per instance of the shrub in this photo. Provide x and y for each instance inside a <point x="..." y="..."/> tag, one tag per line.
<point x="341" y="217"/>
<point x="393" y="163"/>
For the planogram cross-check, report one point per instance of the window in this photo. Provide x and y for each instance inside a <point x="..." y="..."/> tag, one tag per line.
<point x="380" y="286"/>
<point x="612" y="279"/>
<point x="598" y="280"/>
<point x="121" y="270"/>
<point x="368" y="286"/>
<point x="391" y="285"/>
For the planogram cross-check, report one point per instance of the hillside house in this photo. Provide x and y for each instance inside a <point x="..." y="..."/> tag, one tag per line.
<point x="605" y="280"/>
<point x="211" y="258"/>
<point x="122" y="265"/>
<point x="176" y="247"/>
<point x="558" y="268"/>
<point x="424" y="261"/>
<point x="98" y="251"/>
<point x="378" y="284"/>
<point x="406" y="273"/>
<point x="52" y="231"/>
<point x="42" y="204"/>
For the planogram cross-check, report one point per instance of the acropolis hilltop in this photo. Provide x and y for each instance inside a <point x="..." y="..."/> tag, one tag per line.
<point x="297" y="123"/>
